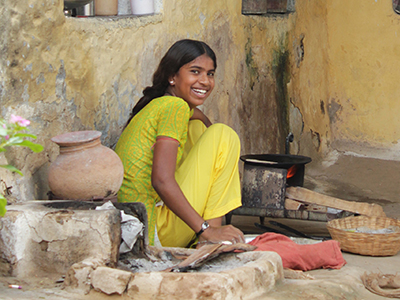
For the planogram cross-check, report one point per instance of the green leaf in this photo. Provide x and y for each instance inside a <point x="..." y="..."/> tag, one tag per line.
<point x="26" y="135"/>
<point x="14" y="141"/>
<point x="34" y="147"/>
<point x="3" y="203"/>
<point x="3" y="131"/>
<point x="12" y="169"/>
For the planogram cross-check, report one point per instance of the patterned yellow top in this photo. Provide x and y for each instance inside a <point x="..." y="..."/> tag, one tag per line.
<point x="165" y="116"/>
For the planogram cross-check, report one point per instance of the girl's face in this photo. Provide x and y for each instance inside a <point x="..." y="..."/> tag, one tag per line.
<point x="194" y="81"/>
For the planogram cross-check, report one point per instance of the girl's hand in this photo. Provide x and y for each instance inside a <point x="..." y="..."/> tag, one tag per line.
<point x="223" y="233"/>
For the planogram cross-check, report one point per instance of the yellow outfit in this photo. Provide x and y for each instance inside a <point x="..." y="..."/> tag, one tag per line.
<point x="207" y="167"/>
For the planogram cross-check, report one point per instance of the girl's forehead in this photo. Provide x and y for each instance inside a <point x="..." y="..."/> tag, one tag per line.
<point x="203" y="61"/>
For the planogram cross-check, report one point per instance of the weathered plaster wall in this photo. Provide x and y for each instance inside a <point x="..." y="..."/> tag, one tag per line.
<point x="344" y="83"/>
<point x="309" y="79"/>
<point x="68" y="74"/>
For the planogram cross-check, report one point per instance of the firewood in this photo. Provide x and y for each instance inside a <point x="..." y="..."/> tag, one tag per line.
<point x="292" y="204"/>
<point x="307" y="196"/>
<point x="198" y="257"/>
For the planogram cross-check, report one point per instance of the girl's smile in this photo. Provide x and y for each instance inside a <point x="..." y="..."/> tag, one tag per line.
<point x="194" y="81"/>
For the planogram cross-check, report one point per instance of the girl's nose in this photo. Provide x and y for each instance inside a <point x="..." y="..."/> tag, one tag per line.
<point x="203" y="79"/>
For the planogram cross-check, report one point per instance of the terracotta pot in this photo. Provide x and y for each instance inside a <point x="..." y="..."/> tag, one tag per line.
<point x="85" y="169"/>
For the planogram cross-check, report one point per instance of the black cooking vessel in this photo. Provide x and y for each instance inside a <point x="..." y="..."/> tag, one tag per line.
<point x="283" y="161"/>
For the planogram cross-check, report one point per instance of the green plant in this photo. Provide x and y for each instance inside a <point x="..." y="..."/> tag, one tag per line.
<point x="12" y="134"/>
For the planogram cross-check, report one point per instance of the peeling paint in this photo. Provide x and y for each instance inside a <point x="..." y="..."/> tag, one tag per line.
<point x="202" y="18"/>
<point x="334" y="110"/>
<point x="25" y="94"/>
<point x="316" y="139"/>
<point x="299" y="50"/>
<point x="322" y="106"/>
<point x="40" y="79"/>
<point x="60" y="82"/>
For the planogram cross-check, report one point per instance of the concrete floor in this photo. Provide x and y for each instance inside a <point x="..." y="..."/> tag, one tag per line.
<point x="347" y="177"/>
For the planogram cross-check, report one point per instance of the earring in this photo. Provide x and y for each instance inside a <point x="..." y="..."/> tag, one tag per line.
<point x="171" y="82"/>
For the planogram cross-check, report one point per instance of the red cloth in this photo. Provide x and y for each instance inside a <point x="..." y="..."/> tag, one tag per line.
<point x="325" y="254"/>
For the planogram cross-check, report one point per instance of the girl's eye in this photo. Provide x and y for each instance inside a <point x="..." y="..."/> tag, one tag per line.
<point x="211" y="74"/>
<point x="195" y="71"/>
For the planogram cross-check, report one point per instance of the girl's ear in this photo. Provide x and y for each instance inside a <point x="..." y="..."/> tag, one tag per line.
<point x="171" y="80"/>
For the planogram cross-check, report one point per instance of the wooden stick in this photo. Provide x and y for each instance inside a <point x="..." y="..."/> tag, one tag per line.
<point x="308" y="196"/>
<point x="291" y="204"/>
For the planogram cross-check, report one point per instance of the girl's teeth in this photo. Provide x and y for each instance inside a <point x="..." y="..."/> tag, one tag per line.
<point x="200" y="91"/>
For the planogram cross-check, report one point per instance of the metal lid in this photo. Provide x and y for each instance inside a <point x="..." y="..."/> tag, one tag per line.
<point x="275" y="160"/>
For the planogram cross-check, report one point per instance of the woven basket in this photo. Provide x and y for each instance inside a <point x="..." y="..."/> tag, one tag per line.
<point x="372" y="244"/>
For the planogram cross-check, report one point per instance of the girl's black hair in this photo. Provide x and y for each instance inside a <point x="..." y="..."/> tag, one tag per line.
<point x="180" y="53"/>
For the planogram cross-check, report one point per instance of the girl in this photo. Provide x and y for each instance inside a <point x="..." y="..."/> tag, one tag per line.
<point x="182" y="168"/>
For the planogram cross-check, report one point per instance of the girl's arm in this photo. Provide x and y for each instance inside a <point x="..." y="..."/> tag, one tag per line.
<point x="163" y="181"/>
<point x="199" y="115"/>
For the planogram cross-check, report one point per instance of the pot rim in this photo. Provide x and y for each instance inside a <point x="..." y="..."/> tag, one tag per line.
<point x="76" y="137"/>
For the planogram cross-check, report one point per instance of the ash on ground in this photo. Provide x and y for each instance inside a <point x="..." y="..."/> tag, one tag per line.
<point x="132" y="263"/>
<point x="223" y="262"/>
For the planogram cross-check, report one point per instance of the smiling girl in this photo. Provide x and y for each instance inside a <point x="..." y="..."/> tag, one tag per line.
<point x="182" y="168"/>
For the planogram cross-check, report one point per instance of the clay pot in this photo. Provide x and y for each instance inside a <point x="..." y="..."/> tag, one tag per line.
<point x="85" y="169"/>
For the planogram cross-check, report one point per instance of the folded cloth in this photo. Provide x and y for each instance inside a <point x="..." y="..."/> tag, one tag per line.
<point x="308" y="257"/>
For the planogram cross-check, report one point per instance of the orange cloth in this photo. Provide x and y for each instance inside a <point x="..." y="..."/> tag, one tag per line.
<point x="325" y="254"/>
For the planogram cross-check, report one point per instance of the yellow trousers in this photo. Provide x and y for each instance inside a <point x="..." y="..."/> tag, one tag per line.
<point x="209" y="178"/>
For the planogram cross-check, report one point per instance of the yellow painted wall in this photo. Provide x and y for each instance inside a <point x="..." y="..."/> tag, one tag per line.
<point x="365" y="68"/>
<point x="346" y="86"/>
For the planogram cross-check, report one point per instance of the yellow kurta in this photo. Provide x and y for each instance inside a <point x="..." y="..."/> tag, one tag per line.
<point x="207" y="173"/>
<point x="164" y="116"/>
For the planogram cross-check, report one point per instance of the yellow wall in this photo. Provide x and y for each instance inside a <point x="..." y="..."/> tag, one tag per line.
<point x="351" y="68"/>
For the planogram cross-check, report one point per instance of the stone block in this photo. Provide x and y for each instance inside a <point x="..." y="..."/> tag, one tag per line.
<point x="110" y="281"/>
<point x="78" y="277"/>
<point x="36" y="239"/>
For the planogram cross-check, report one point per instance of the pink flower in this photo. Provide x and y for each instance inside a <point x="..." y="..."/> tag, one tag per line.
<point x="21" y="121"/>
<point x="7" y="137"/>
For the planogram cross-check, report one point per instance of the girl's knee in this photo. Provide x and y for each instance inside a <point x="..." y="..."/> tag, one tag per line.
<point x="225" y="132"/>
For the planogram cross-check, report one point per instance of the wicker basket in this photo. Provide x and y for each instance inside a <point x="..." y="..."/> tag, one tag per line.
<point x="372" y="244"/>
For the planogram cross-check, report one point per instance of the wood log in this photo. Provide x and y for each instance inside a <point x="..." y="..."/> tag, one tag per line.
<point x="317" y="208"/>
<point x="308" y="196"/>
<point x="292" y="204"/>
